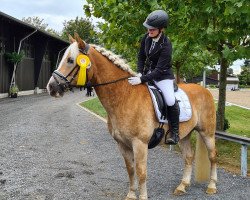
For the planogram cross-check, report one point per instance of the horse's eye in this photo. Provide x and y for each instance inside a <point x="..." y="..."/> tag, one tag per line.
<point x="70" y="60"/>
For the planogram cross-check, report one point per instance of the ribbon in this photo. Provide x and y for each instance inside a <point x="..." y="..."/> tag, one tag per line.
<point x="84" y="62"/>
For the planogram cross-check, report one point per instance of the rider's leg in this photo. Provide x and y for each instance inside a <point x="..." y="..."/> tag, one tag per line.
<point x="167" y="88"/>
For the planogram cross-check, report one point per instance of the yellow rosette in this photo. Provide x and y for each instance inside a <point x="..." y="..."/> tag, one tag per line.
<point x="84" y="62"/>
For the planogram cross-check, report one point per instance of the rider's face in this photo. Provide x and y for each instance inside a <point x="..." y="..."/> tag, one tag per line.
<point x="153" y="32"/>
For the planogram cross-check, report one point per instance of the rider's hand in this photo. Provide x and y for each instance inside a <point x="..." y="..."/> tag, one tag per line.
<point x="139" y="75"/>
<point x="134" y="80"/>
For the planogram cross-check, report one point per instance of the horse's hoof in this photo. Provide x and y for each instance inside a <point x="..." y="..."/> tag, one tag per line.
<point x="211" y="190"/>
<point x="131" y="197"/>
<point x="128" y="198"/>
<point x="179" y="192"/>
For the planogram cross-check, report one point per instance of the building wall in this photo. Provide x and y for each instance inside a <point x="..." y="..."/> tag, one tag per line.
<point x="45" y="74"/>
<point x="25" y="74"/>
<point x="40" y="50"/>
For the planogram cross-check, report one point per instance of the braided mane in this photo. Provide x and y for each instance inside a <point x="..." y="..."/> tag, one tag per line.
<point x="116" y="59"/>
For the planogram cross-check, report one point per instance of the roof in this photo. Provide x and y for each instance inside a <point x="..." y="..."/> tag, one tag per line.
<point x="31" y="26"/>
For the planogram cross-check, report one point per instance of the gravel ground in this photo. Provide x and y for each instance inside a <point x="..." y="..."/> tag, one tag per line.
<point x="51" y="149"/>
<point x="241" y="97"/>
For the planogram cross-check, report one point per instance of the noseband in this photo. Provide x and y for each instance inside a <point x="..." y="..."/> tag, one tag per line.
<point x="62" y="80"/>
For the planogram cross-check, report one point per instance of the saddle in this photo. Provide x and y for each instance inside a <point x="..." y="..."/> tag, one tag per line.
<point x="158" y="101"/>
<point x="161" y="110"/>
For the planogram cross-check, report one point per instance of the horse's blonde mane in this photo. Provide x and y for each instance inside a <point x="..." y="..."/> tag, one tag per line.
<point x="116" y="59"/>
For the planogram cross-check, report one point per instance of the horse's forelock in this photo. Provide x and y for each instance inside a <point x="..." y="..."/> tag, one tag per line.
<point x="71" y="51"/>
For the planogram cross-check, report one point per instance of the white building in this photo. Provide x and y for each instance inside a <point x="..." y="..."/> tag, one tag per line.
<point x="232" y="83"/>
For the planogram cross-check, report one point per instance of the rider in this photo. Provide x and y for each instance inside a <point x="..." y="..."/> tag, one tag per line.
<point x="154" y="64"/>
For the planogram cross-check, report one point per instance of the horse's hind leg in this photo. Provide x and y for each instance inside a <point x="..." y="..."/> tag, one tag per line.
<point x="188" y="156"/>
<point x="128" y="156"/>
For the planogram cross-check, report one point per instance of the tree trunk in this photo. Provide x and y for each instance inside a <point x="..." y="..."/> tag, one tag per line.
<point x="222" y="94"/>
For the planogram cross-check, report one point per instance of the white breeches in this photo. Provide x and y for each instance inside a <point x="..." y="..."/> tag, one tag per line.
<point x="167" y="88"/>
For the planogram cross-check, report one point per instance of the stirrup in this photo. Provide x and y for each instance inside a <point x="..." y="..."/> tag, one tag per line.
<point x="170" y="140"/>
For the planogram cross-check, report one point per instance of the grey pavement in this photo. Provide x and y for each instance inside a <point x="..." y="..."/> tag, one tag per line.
<point x="51" y="149"/>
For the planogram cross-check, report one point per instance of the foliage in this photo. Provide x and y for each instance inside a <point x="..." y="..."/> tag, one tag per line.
<point x="36" y="21"/>
<point x="14" y="57"/>
<point x="219" y="26"/>
<point x="53" y="32"/>
<point x="244" y="76"/>
<point x="230" y="71"/>
<point x="226" y="124"/>
<point x="13" y="89"/>
<point x="83" y="27"/>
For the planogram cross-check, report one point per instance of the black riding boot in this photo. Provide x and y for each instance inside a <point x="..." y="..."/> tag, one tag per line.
<point x="173" y="119"/>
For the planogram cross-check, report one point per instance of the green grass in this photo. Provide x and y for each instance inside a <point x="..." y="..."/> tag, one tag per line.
<point x="239" y="119"/>
<point x="228" y="152"/>
<point x="95" y="106"/>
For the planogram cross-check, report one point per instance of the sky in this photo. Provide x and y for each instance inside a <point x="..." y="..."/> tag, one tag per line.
<point x="54" y="12"/>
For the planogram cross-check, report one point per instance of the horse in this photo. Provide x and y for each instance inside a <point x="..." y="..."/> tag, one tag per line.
<point x="131" y="117"/>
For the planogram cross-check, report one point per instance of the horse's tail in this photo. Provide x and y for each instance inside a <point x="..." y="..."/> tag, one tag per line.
<point x="202" y="162"/>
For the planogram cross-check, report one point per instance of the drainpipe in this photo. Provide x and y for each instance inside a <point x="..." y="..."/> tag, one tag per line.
<point x="204" y="78"/>
<point x="18" y="51"/>
<point x="59" y="55"/>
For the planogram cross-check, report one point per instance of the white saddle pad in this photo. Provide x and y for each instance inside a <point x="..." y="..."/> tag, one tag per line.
<point x="184" y="103"/>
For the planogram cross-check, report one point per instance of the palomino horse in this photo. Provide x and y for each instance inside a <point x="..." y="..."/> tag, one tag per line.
<point x="131" y="116"/>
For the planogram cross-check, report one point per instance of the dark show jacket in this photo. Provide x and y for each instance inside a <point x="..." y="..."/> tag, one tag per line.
<point x="158" y="61"/>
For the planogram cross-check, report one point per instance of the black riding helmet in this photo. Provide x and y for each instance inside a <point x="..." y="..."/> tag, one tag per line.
<point x="156" y="19"/>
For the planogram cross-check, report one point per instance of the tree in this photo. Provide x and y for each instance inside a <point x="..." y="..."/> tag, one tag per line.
<point x="39" y="23"/>
<point x="36" y="21"/>
<point x="230" y="71"/>
<point x="83" y="27"/>
<point x="244" y="76"/>
<point x="220" y="26"/>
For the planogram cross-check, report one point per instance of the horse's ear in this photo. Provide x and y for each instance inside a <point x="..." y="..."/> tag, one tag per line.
<point x="80" y="42"/>
<point x="71" y="39"/>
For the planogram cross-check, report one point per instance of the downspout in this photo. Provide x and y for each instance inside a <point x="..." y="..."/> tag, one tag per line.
<point x="18" y="51"/>
<point x="59" y="55"/>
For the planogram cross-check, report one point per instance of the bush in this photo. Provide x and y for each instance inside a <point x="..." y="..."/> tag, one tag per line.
<point x="212" y="86"/>
<point x="226" y="124"/>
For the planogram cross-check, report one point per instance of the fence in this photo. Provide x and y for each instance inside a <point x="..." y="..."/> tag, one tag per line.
<point x="244" y="141"/>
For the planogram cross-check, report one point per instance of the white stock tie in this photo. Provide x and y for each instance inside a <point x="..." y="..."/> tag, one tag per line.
<point x="152" y="46"/>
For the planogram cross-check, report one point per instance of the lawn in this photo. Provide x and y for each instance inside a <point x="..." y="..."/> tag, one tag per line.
<point x="229" y="153"/>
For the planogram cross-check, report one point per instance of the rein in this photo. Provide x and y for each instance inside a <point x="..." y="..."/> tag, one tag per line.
<point x="107" y="83"/>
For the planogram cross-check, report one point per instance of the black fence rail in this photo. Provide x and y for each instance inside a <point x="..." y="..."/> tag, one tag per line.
<point x="244" y="141"/>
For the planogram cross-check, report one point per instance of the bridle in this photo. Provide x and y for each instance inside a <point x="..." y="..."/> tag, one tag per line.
<point x="62" y="80"/>
<point x="65" y="84"/>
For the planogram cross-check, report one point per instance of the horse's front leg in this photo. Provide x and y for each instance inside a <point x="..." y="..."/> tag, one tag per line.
<point x="128" y="156"/>
<point x="141" y="154"/>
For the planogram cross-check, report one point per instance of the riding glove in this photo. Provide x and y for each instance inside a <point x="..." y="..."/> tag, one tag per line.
<point x="139" y="75"/>
<point x="134" y="80"/>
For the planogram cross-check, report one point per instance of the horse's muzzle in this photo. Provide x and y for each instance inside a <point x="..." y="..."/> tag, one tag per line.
<point x="54" y="89"/>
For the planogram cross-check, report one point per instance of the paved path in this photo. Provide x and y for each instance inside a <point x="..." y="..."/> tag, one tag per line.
<point x="51" y="149"/>
<point x="241" y="97"/>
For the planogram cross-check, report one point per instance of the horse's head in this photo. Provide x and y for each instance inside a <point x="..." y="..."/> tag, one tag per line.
<point x="72" y="68"/>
